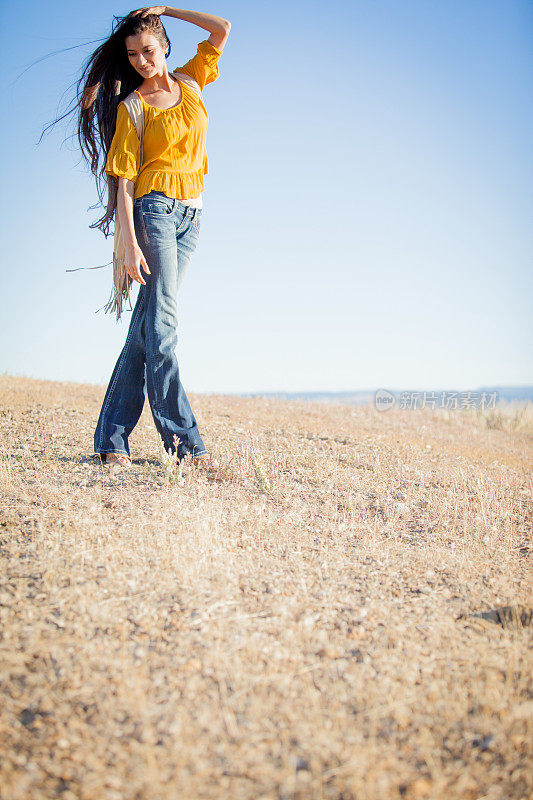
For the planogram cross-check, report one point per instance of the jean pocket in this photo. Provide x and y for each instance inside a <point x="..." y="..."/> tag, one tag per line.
<point x="157" y="207"/>
<point x="197" y="222"/>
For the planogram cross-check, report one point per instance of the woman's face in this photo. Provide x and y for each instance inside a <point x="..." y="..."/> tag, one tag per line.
<point x="145" y="54"/>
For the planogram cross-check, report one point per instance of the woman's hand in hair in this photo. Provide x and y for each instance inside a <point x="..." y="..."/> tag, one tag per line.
<point x="134" y="261"/>
<point x="149" y="10"/>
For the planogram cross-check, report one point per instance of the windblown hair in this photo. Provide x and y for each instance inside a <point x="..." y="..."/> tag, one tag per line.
<point x="107" y="78"/>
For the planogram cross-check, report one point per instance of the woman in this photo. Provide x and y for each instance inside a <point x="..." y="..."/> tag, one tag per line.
<point x="159" y="204"/>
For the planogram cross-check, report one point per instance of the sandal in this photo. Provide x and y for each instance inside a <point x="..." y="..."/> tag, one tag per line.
<point x="211" y="467"/>
<point x="118" y="459"/>
<point x="201" y="459"/>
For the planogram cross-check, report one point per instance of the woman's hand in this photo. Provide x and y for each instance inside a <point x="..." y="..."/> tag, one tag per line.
<point x="134" y="260"/>
<point x="142" y="12"/>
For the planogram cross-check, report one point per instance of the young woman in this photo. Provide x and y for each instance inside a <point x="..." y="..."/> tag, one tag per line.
<point x="159" y="204"/>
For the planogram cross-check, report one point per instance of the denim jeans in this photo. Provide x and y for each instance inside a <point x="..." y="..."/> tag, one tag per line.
<point x="167" y="233"/>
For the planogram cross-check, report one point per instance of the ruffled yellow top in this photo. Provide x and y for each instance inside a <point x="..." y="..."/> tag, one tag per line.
<point x="174" y="157"/>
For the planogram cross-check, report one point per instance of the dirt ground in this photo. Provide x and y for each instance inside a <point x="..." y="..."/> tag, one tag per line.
<point x="299" y="625"/>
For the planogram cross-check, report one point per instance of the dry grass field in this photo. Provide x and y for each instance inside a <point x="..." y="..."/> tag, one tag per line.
<point x="304" y="624"/>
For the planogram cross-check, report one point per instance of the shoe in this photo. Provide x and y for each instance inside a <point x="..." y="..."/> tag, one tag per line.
<point x="118" y="459"/>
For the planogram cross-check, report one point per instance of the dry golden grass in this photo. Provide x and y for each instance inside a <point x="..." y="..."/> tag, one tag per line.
<point x="300" y="628"/>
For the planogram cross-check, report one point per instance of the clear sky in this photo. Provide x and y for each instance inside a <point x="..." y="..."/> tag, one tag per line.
<point x="368" y="211"/>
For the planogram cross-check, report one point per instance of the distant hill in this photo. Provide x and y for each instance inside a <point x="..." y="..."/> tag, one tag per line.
<point x="502" y="394"/>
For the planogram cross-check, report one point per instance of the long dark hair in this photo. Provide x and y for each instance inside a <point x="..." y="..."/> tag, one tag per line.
<point x="107" y="78"/>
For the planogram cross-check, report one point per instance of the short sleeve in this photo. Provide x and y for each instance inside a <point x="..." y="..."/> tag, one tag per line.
<point x="123" y="156"/>
<point x="203" y="66"/>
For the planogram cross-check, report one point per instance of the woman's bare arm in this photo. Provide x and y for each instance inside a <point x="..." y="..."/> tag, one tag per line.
<point x="217" y="26"/>
<point x="134" y="255"/>
<point x="125" y="195"/>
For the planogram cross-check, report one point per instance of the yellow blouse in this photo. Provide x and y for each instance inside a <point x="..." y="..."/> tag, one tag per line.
<point x="174" y="154"/>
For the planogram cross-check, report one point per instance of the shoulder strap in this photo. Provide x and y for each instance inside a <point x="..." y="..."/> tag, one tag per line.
<point x="136" y="112"/>
<point x="183" y="76"/>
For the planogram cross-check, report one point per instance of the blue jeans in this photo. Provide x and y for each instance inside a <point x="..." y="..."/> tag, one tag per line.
<point x="167" y="232"/>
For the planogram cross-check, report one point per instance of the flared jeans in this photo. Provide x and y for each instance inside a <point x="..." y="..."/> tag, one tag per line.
<point x="167" y="232"/>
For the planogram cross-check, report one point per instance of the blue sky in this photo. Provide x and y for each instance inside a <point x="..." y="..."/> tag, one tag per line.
<point x="368" y="210"/>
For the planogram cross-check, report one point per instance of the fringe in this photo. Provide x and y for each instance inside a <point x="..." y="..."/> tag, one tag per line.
<point x="120" y="291"/>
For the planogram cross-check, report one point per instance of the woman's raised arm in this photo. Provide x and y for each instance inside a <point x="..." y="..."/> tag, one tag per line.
<point x="217" y="26"/>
